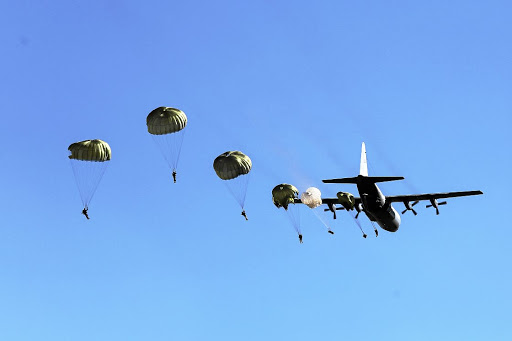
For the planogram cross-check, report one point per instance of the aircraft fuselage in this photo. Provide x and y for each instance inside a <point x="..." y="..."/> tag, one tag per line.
<point x="375" y="206"/>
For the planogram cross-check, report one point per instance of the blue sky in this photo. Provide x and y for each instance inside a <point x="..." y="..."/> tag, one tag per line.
<point x="295" y="85"/>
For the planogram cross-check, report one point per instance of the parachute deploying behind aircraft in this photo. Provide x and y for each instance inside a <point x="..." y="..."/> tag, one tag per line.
<point x="347" y="200"/>
<point x="234" y="168"/>
<point x="312" y="197"/>
<point x="89" y="160"/>
<point x="283" y="195"/>
<point x="166" y="126"/>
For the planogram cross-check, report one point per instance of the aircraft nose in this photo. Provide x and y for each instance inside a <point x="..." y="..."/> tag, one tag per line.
<point x="392" y="228"/>
<point x="396" y="222"/>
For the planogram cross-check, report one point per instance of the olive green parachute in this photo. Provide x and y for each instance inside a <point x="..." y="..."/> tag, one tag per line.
<point x="233" y="167"/>
<point x="89" y="160"/>
<point x="166" y="126"/>
<point x="232" y="164"/>
<point x="284" y="194"/>
<point x="347" y="200"/>
<point x="166" y="120"/>
<point x="90" y="150"/>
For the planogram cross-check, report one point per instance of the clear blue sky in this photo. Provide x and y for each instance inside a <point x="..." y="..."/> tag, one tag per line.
<point x="296" y="85"/>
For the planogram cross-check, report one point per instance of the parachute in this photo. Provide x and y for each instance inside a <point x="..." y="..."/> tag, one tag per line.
<point x="166" y="126"/>
<point x="312" y="198"/>
<point x="89" y="160"/>
<point x="283" y="195"/>
<point x="347" y="200"/>
<point x="234" y="168"/>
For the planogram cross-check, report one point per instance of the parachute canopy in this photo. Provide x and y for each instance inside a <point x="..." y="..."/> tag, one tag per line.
<point x="89" y="160"/>
<point x="166" y="120"/>
<point x="166" y="126"/>
<point x="234" y="167"/>
<point x="284" y="194"/>
<point x="90" y="150"/>
<point x="232" y="164"/>
<point x="346" y="199"/>
<point x="311" y="197"/>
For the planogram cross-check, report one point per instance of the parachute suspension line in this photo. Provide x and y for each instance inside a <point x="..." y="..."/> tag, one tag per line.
<point x="78" y="176"/>
<point x="245" y="186"/>
<point x="170" y="147"/>
<point x="294" y="215"/>
<point x="318" y="214"/>
<point x="88" y="175"/>
<point x="352" y="214"/>
<point x="238" y="188"/>
<point x="95" y="174"/>
<point x="375" y="229"/>
<point x="179" y="142"/>
<point x="293" y="212"/>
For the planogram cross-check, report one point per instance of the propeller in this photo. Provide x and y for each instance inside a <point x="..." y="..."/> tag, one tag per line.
<point x="434" y="203"/>
<point x="409" y="207"/>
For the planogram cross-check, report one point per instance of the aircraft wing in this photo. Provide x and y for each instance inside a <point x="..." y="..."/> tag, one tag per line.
<point x="429" y="196"/>
<point x="401" y="198"/>
<point x="331" y="201"/>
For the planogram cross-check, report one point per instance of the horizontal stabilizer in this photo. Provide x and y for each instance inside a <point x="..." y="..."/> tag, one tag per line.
<point x="363" y="179"/>
<point x="341" y="181"/>
<point x="383" y="178"/>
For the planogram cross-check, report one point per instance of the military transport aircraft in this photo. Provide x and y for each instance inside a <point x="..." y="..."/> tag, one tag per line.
<point x="377" y="206"/>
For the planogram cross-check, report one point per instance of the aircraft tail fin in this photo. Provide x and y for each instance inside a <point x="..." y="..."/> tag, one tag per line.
<point x="363" y="166"/>
<point x="363" y="174"/>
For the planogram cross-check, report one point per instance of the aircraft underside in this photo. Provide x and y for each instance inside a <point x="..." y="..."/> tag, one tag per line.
<point x="387" y="218"/>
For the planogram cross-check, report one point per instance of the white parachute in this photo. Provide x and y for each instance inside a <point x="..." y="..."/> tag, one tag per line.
<point x="312" y="197"/>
